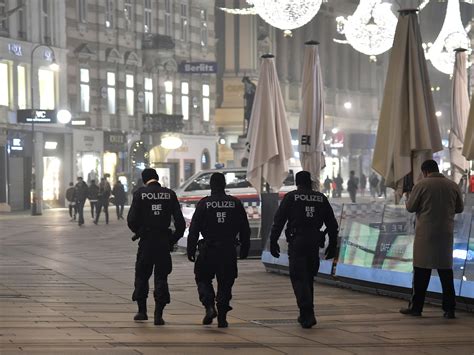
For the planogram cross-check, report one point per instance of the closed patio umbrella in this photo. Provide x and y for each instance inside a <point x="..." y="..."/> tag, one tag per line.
<point x="459" y="115"/>
<point x="311" y="125"/>
<point x="269" y="133"/>
<point x="408" y="131"/>
<point x="468" y="148"/>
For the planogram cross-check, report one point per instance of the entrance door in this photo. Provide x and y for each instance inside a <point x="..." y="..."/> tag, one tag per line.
<point x="18" y="192"/>
<point x="172" y="170"/>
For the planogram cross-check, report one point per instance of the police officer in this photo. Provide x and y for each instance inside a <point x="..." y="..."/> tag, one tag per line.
<point x="306" y="211"/>
<point x="219" y="218"/>
<point x="149" y="218"/>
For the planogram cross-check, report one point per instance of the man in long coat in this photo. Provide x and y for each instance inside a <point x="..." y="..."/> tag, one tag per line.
<point x="435" y="200"/>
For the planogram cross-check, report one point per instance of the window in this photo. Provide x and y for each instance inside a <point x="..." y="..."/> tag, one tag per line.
<point x="47" y="89"/>
<point x="3" y="16"/>
<point x="184" y="22"/>
<point x="148" y="84"/>
<point x="147" y="17"/>
<point x="185" y="100"/>
<point x="128" y="14"/>
<point x="205" y="160"/>
<point x="85" y="89"/>
<point x="168" y="18"/>
<point x="45" y="22"/>
<point x="111" y="93"/>
<point x="21" y="77"/>
<point x="82" y="7"/>
<point x="204" y="31"/>
<point x="130" y="94"/>
<point x="169" y="97"/>
<point x="206" y="104"/>
<point x="5" y="85"/>
<point x="22" y="19"/>
<point x="109" y="13"/>
<point x="189" y="167"/>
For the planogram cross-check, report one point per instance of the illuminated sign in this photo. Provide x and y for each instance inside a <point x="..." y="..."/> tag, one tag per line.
<point x="198" y="67"/>
<point x="36" y="116"/>
<point x="17" y="144"/>
<point x="16" y="49"/>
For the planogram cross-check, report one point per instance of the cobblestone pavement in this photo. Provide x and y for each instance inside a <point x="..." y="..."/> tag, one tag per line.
<point x="67" y="290"/>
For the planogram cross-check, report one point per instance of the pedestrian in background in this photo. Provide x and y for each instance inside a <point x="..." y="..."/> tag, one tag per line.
<point x="374" y="185"/>
<point x="382" y="188"/>
<point x="149" y="218"/>
<point x="219" y="218"/>
<point x="103" y="200"/>
<point x="435" y="200"/>
<point x="71" y="201"/>
<point x="352" y="186"/>
<point x="339" y="181"/>
<point x="327" y="186"/>
<point x="363" y="184"/>
<point x="80" y="193"/>
<point x="306" y="211"/>
<point x="93" y="197"/>
<point x="119" y="198"/>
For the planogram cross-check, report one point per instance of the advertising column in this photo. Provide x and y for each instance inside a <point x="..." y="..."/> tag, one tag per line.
<point x="87" y="149"/>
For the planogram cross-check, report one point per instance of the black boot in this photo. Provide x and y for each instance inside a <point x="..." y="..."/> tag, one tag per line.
<point x="222" y="316"/>
<point x="141" y="314"/>
<point x="159" y="314"/>
<point x="307" y="319"/>
<point x="211" y="313"/>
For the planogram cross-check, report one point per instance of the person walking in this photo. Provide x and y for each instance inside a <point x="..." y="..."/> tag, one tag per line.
<point x="374" y="185"/>
<point x="71" y="201"/>
<point x="382" y="188"/>
<point x="327" y="186"/>
<point x="435" y="200"/>
<point x="93" y="197"/>
<point x="306" y="211"/>
<point x="119" y="198"/>
<point x="149" y="218"/>
<point x="363" y="184"/>
<point x="80" y="193"/>
<point x="352" y="186"/>
<point x="339" y="181"/>
<point x="219" y="218"/>
<point x="103" y="200"/>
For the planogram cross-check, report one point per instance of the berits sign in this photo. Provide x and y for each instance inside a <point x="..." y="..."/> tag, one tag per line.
<point x="36" y="116"/>
<point x="198" y="67"/>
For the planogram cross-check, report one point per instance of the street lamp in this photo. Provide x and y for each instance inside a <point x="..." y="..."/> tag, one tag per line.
<point x="36" y="199"/>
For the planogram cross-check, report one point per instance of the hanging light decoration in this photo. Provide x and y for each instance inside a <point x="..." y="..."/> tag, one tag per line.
<point x="286" y="14"/>
<point x="453" y="35"/>
<point x="370" y="30"/>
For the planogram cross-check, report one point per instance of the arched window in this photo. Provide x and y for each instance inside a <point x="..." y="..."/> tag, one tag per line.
<point x="205" y="160"/>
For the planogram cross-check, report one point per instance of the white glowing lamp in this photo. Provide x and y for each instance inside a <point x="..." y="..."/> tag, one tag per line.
<point x="171" y="141"/>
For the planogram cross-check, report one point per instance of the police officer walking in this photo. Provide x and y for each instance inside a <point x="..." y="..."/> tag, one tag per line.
<point x="219" y="218"/>
<point x="149" y="218"/>
<point x="306" y="211"/>
<point x="80" y="193"/>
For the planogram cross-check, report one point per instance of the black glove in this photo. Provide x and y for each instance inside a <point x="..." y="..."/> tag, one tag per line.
<point x="173" y="239"/>
<point x="275" y="249"/>
<point x="330" y="252"/>
<point x="192" y="256"/>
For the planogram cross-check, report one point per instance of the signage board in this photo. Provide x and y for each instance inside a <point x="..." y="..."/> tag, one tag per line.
<point x="197" y="67"/>
<point x="36" y="116"/>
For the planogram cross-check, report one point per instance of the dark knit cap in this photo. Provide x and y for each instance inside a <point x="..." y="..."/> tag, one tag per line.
<point x="303" y="178"/>
<point x="218" y="181"/>
<point x="149" y="174"/>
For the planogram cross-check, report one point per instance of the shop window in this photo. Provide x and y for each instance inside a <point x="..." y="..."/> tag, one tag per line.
<point x="169" y="97"/>
<point x="110" y="165"/>
<point x="147" y="17"/>
<point x="130" y="94"/>
<point x="21" y="94"/>
<point x="111" y="102"/>
<point x="168" y="18"/>
<point x="84" y="89"/>
<point x="47" y="89"/>
<point x="128" y="14"/>
<point x="205" y="160"/>
<point x="184" y="23"/>
<point x="148" y="84"/>
<point x="204" y="29"/>
<point x="51" y="178"/>
<point x="185" y="100"/>
<point x="109" y="13"/>
<point x="82" y="7"/>
<point x="206" y="102"/>
<point x="5" y="85"/>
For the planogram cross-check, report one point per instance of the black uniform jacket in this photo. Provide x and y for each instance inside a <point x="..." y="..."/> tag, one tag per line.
<point x="151" y="211"/>
<point x="305" y="211"/>
<point x="219" y="218"/>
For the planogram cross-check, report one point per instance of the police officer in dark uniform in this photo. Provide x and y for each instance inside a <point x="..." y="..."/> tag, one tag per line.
<point x="219" y="218"/>
<point x="149" y="218"/>
<point x="305" y="211"/>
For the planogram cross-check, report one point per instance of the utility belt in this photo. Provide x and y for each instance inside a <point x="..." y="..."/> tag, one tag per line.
<point x="204" y="244"/>
<point x="145" y="232"/>
<point x="291" y="234"/>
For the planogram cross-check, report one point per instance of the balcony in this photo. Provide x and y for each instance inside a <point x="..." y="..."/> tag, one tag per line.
<point x="156" y="41"/>
<point x="161" y="122"/>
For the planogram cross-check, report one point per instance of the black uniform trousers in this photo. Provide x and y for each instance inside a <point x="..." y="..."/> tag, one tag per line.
<point x="119" y="209"/>
<point x="220" y="262"/>
<point x="80" y="211"/>
<point x="94" y="207"/>
<point x="304" y="266"/>
<point x="421" y="280"/>
<point x="153" y="257"/>
<point x="105" y="205"/>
